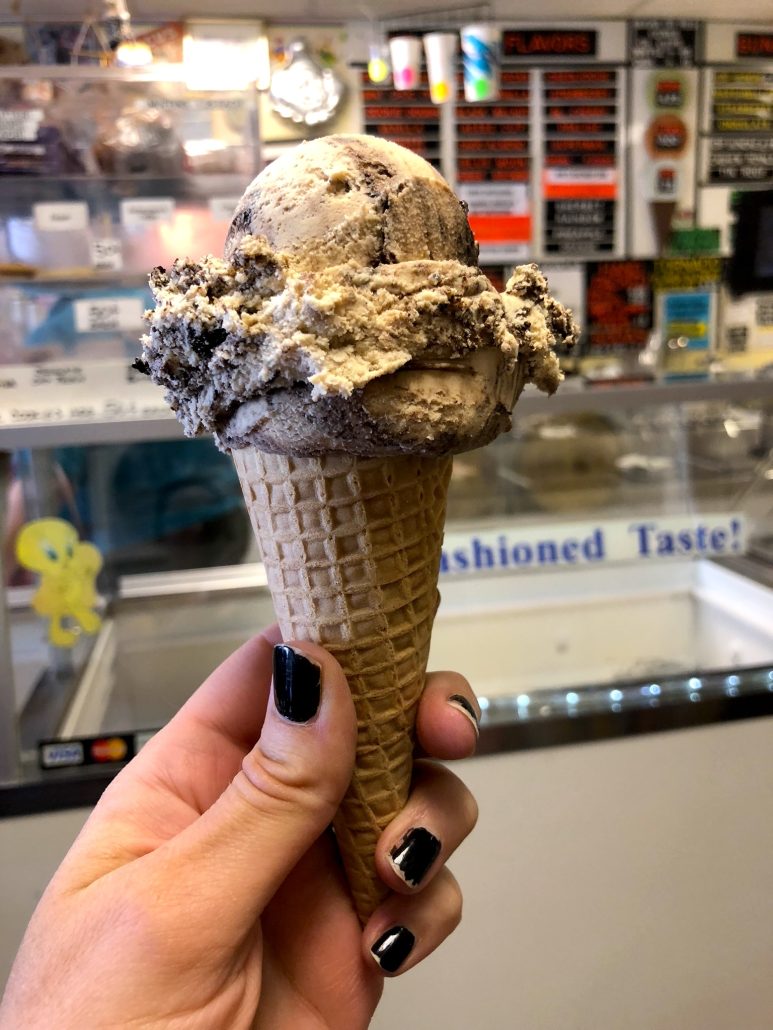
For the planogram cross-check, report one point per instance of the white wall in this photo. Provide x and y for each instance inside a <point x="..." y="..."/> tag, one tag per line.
<point x="626" y="885"/>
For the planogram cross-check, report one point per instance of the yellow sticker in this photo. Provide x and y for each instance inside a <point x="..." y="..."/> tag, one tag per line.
<point x="68" y="569"/>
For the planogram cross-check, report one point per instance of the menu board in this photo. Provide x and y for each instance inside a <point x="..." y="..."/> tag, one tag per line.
<point x="407" y="117"/>
<point x="738" y="124"/>
<point x="493" y="162"/>
<point x="581" y="111"/>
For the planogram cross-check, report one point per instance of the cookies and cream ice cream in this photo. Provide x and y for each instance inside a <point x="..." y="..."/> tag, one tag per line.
<point x="349" y="315"/>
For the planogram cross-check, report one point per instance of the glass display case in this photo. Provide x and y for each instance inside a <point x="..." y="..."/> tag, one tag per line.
<point x="608" y="560"/>
<point x="103" y="174"/>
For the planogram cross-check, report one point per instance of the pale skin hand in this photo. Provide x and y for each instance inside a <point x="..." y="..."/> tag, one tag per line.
<point x="205" y="891"/>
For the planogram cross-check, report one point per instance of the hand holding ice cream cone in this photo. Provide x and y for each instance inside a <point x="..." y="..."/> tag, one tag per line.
<point x="343" y="350"/>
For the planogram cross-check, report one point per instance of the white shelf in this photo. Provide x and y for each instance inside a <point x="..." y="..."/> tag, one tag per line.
<point x="568" y="400"/>
<point x="85" y="433"/>
<point x="572" y="400"/>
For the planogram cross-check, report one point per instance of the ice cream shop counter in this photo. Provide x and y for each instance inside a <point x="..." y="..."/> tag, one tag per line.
<point x="607" y="570"/>
<point x="582" y="650"/>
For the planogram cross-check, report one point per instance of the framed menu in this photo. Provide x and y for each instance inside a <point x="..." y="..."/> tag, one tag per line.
<point x="493" y="163"/>
<point x="581" y="112"/>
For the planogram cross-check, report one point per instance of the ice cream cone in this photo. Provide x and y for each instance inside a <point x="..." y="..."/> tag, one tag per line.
<point x="345" y="347"/>
<point x="351" y="548"/>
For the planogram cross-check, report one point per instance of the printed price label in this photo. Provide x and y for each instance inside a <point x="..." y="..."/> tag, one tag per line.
<point x="58" y="375"/>
<point x="108" y="314"/>
<point x="107" y="255"/>
<point x="139" y="212"/>
<point x="496" y="197"/>
<point x="95" y="391"/>
<point x="63" y="216"/>
<point x="222" y="208"/>
<point x="20" y="126"/>
<point x="506" y="253"/>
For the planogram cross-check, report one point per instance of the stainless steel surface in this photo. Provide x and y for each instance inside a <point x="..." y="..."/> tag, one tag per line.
<point x="76" y="433"/>
<point x="663" y="691"/>
<point x="192" y="582"/>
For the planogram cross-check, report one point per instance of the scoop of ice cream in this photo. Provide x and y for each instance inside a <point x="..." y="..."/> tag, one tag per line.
<point x="354" y="199"/>
<point x="349" y="314"/>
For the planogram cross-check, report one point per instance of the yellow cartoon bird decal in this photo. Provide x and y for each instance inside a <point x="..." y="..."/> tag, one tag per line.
<point x="68" y="569"/>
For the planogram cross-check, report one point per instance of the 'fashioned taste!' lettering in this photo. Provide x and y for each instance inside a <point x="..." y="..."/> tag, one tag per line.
<point x="582" y="544"/>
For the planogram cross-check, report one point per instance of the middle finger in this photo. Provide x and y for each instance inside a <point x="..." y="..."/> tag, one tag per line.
<point x="439" y="814"/>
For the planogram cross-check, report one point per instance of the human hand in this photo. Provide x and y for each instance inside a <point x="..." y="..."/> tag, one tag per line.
<point x="204" y="890"/>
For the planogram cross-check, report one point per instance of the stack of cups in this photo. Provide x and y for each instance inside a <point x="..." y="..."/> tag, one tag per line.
<point x="440" y="49"/>
<point x="405" y="52"/>
<point x="481" y="46"/>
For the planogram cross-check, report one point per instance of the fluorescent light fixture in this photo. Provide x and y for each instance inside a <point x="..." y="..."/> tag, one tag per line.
<point x="223" y="56"/>
<point x="133" y="54"/>
<point x="263" y="76"/>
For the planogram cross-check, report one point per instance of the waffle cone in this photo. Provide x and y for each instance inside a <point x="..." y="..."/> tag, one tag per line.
<point x="351" y="548"/>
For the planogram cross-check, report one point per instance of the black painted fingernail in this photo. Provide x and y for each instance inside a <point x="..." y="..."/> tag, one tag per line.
<point x="460" y="701"/>
<point x="296" y="684"/>
<point x="414" y="855"/>
<point x="393" y="948"/>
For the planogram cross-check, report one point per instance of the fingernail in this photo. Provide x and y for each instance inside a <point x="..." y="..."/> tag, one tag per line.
<point x="460" y="701"/>
<point x="393" y="948"/>
<point x="296" y="684"/>
<point x="414" y="855"/>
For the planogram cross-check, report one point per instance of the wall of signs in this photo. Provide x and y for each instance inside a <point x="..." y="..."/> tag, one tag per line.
<point x="613" y="144"/>
<point x="548" y="168"/>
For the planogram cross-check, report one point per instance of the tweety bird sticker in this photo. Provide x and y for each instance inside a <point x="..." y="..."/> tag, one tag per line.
<point x="68" y="569"/>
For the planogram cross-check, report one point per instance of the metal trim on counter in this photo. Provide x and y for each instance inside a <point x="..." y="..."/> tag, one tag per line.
<point x="72" y="434"/>
<point x="512" y="723"/>
<point x="55" y="790"/>
<point x="588" y="714"/>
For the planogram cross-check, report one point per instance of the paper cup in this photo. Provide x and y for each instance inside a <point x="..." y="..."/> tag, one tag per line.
<point x="406" y="61"/>
<point x="440" y="50"/>
<point x="481" y="46"/>
<point x="378" y="62"/>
